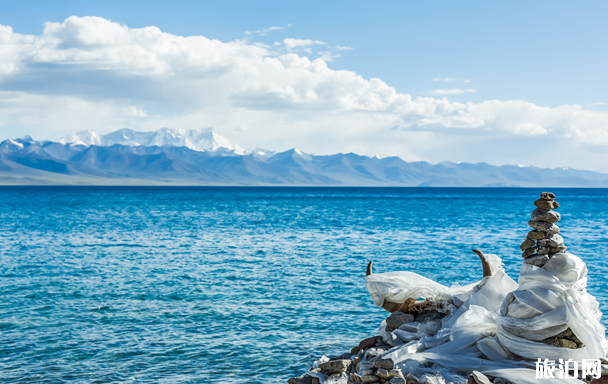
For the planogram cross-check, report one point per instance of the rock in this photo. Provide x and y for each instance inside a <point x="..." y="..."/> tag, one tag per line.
<point x="429" y="316"/>
<point x="547" y="196"/>
<point x="555" y="240"/>
<point x="477" y="377"/>
<point x="356" y="360"/>
<point x="545" y="215"/>
<point x="397" y="319"/>
<point x="536" y="235"/>
<point x="398" y="380"/>
<point x="383" y="373"/>
<point x="335" y="366"/>
<point x="529" y="252"/>
<point x="562" y="343"/>
<point x="396" y="373"/>
<point x="304" y="379"/>
<point x="542" y="250"/>
<point x="346" y="355"/>
<point x="354" y="350"/>
<point x="537" y="260"/>
<point x="384" y="363"/>
<point x="355" y="378"/>
<point x="391" y="339"/>
<point x="369" y="379"/>
<point x="527" y="244"/>
<point x="367" y="372"/>
<point x="410" y="327"/>
<point x="559" y="248"/>
<point x="546" y="204"/>
<point x="544" y="226"/>
<point x="367" y="343"/>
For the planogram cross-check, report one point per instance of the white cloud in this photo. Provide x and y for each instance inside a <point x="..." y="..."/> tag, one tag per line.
<point x="294" y="43"/>
<point x="263" y="32"/>
<point x="341" y="48"/>
<point x="81" y="74"/>
<point x="447" y="79"/>
<point x="451" y="91"/>
<point x="132" y="111"/>
<point x="328" y="55"/>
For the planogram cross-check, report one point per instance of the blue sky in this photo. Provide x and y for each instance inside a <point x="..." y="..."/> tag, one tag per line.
<point x="494" y="78"/>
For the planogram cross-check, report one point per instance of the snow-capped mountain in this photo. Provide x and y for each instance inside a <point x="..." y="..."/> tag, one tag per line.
<point x="202" y="140"/>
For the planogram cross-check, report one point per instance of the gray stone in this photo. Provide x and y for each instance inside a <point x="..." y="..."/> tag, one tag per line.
<point x="555" y="240"/>
<point x="546" y="204"/>
<point x="335" y="366"/>
<point x="547" y="196"/>
<point x="542" y="250"/>
<point x="391" y="339"/>
<point x="527" y="244"/>
<point x="370" y="379"/>
<point x="383" y="373"/>
<point x="561" y="343"/>
<point x="396" y="373"/>
<point x="304" y="379"/>
<point x="536" y="235"/>
<point x="545" y="215"/>
<point x="410" y="327"/>
<point x="429" y="316"/>
<point x="557" y="249"/>
<point x="479" y="378"/>
<point x="355" y="378"/>
<point x="529" y="252"/>
<point x="397" y="380"/>
<point x="397" y="319"/>
<point x="384" y="363"/>
<point x="544" y="226"/>
<point x="537" y="260"/>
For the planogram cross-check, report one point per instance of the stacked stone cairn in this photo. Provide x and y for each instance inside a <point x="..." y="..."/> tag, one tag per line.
<point x="544" y="240"/>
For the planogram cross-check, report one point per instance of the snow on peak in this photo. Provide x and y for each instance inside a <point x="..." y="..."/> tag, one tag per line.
<point x="199" y="140"/>
<point x="87" y="137"/>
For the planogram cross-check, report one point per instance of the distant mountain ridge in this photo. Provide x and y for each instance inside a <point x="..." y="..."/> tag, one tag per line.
<point x="199" y="140"/>
<point x="176" y="157"/>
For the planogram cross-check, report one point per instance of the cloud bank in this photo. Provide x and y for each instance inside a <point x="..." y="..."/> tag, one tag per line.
<point x="90" y="72"/>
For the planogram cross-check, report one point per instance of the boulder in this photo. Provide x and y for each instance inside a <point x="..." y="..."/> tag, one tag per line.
<point x="397" y="380"/>
<point x="545" y="215"/>
<point x="383" y="373"/>
<point x="546" y="204"/>
<point x="370" y="379"/>
<point x="544" y="226"/>
<point x="384" y="363"/>
<point x="429" y="316"/>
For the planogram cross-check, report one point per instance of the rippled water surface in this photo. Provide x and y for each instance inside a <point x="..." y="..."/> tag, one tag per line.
<point x="238" y="285"/>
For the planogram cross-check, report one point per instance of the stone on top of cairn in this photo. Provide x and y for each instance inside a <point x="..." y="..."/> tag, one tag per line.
<point x="543" y="242"/>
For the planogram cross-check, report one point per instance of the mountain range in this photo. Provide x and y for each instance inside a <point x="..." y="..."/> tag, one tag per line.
<point x="202" y="157"/>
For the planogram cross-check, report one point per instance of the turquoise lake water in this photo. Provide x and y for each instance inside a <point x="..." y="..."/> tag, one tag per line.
<point x="239" y="285"/>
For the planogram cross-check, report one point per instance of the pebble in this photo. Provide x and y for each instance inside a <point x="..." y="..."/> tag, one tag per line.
<point x="545" y="215"/>
<point x="536" y="235"/>
<point x="544" y="226"/>
<point x="557" y="249"/>
<point x="529" y="252"/>
<point x="537" y="260"/>
<point x="397" y="319"/>
<point x="547" y="196"/>
<point x="335" y="366"/>
<point x="546" y="204"/>
<point x="526" y="244"/>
